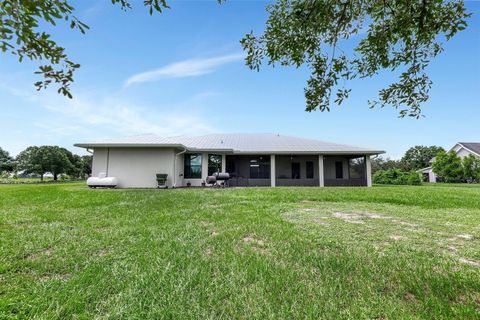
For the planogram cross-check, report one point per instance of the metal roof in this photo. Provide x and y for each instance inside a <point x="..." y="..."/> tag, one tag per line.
<point x="235" y="143"/>
<point x="472" y="146"/>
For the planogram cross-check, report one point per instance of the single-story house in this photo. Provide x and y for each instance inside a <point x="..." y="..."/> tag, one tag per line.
<point x="462" y="149"/>
<point x="250" y="159"/>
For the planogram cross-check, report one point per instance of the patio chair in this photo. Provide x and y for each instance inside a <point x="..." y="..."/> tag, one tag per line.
<point x="162" y="180"/>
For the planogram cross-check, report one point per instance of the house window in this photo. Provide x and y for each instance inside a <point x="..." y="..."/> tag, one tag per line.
<point x="260" y="167"/>
<point x="295" y="170"/>
<point x="214" y="163"/>
<point x="356" y="168"/>
<point x="193" y="166"/>
<point x="309" y="165"/>
<point x="339" y="169"/>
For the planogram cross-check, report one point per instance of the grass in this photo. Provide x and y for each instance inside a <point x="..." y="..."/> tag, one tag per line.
<point x="388" y="252"/>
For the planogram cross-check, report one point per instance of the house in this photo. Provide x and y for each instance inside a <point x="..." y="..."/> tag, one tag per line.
<point x="462" y="149"/>
<point x="250" y="159"/>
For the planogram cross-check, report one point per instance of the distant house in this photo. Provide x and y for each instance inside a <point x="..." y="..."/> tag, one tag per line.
<point x="462" y="149"/>
<point x="250" y="159"/>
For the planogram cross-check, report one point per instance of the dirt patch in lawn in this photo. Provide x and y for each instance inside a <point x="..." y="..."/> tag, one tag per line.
<point x="464" y="236"/>
<point x="251" y="239"/>
<point x="358" y="217"/>
<point x="35" y="255"/>
<point x="471" y="262"/>
<point x="398" y="238"/>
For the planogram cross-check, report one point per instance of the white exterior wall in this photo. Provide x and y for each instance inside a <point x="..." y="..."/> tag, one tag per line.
<point x="99" y="162"/>
<point x="134" y="167"/>
<point x="462" y="153"/>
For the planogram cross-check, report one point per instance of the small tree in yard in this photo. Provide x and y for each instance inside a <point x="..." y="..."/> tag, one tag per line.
<point x="380" y="163"/>
<point x="419" y="157"/>
<point x="44" y="159"/>
<point x="448" y="166"/>
<point x="471" y="168"/>
<point x="86" y="166"/>
<point x="7" y="163"/>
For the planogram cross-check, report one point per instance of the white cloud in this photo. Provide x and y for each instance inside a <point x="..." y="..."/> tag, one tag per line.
<point x="186" y="68"/>
<point x="91" y="116"/>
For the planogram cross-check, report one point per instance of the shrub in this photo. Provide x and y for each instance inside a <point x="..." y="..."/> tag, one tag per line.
<point x="448" y="166"/>
<point x="397" y="176"/>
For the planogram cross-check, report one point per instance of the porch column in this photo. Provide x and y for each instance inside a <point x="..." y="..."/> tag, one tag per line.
<point x="272" y="170"/>
<point x="224" y="163"/>
<point x="321" y="175"/>
<point x="204" y="166"/>
<point x="368" y="170"/>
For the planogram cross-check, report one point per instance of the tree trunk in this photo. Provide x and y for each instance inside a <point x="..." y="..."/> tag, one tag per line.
<point x="55" y="177"/>
<point x="41" y="177"/>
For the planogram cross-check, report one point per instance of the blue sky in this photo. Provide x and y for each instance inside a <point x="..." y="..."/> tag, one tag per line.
<point x="181" y="72"/>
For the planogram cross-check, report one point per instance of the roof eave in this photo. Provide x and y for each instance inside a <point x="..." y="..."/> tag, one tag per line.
<point x="127" y="145"/>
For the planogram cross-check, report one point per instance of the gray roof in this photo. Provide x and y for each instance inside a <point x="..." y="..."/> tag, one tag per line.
<point x="234" y="143"/>
<point x="472" y="146"/>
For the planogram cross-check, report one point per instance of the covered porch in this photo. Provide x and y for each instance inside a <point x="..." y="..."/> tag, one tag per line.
<point x="298" y="170"/>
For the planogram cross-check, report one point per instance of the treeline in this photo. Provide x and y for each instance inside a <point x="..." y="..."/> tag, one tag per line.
<point x="447" y="166"/>
<point x="45" y="159"/>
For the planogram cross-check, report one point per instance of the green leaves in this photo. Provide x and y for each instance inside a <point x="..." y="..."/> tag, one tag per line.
<point x="401" y="35"/>
<point x="21" y="36"/>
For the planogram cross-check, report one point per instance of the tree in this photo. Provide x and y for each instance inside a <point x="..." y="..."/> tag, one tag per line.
<point x="419" y="157"/>
<point x="86" y="166"/>
<point x="471" y="168"/>
<point x="29" y="161"/>
<point x="6" y="161"/>
<point x="40" y="160"/>
<point x="448" y="166"/>
<point x="400" y="35"/>
<point x="380" y="163"/>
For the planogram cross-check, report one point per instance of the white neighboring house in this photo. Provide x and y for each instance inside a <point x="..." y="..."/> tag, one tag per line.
<point x="462" y="150"/>
<point x="251" y="160"/>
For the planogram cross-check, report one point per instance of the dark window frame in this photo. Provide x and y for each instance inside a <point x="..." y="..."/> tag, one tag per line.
<point x="357" y="168"/>
<point x="212" y="167"/>
<point x="298" y="168"/>
<point x="310" y="171"/>
<point x="188" y="173"/>
<point x="338" y="170"/>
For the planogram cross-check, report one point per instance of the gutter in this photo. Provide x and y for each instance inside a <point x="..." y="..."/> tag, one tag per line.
<point x="175" y="167"/>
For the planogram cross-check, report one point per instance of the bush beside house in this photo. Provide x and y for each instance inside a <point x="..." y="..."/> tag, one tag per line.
<point x="451" y="168"/>
<point x="397" y="176"/>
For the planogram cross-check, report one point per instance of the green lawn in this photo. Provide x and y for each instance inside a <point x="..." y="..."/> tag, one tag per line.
<point x="386" y="252"/>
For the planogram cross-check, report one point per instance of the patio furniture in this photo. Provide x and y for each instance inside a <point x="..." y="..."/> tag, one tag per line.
<point x="162" y="180"/>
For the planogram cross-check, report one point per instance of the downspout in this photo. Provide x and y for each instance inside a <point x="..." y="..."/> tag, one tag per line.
<point x="108" y="158"/>
<point x="175" y="167"/>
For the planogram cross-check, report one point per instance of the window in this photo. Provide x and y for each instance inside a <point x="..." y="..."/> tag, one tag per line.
<point x="295" y="170"/>
<point x="260" y="167"/>
<point x="356" y="168"/>
<point x="214" y="163"/>
<point x="193" y="166"/>
<point x="339" y="169"/>
<point x="309" y="169"/>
